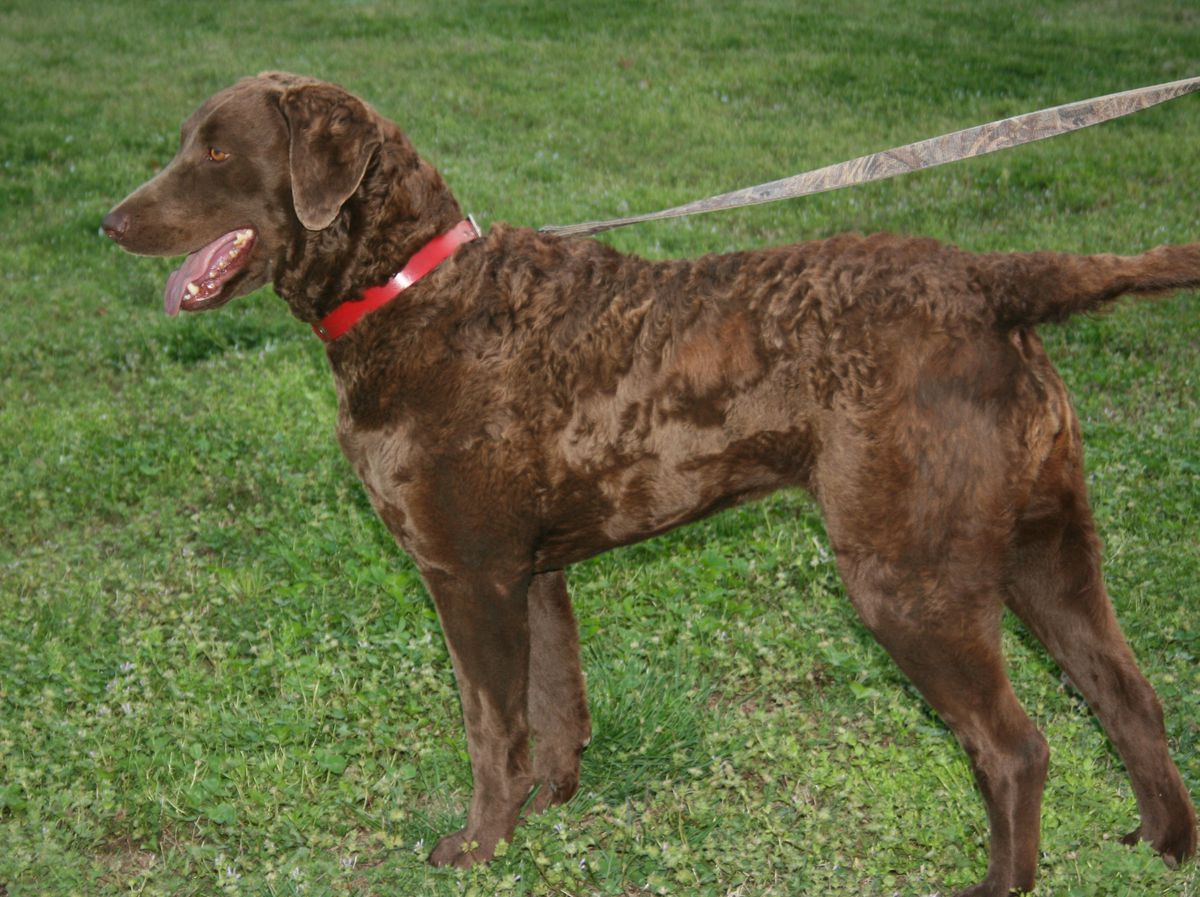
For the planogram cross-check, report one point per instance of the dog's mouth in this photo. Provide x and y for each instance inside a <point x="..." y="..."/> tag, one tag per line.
<point x="197" y="284"/>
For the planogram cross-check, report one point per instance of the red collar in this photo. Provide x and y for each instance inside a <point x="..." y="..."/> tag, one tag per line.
<point x="428" y="257"/>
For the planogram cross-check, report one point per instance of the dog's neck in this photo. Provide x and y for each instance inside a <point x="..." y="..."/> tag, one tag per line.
<point x="401" y="204"/>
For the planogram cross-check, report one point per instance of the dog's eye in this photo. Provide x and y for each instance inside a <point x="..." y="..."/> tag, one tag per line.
<point x="217" y="155"/>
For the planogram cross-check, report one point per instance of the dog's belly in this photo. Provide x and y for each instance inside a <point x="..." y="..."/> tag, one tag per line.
<point x="683" y="474"/>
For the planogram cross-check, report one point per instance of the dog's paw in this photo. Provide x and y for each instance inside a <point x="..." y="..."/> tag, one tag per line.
<point x="556" y="770"/>
<point x="461" y="850"/>
<point x="984" y="889"/>
<point x="1176" y="844"/>
<point x="554" y="790"/>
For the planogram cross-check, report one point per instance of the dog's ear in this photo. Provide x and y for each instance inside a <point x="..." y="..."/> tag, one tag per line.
<point x="333" y="136"/>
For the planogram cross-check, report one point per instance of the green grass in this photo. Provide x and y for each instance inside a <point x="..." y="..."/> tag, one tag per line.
<point x="219" y="676"/>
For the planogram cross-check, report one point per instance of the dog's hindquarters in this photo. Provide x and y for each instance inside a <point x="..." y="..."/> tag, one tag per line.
<point x="1053" y="576"/>
<point x="966" y="496"/>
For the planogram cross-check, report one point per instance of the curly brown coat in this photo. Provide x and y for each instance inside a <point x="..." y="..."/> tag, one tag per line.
<point x="536" y="400"/>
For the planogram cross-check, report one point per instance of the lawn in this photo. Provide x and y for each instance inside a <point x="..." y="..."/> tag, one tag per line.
<point x="218" y="675"/>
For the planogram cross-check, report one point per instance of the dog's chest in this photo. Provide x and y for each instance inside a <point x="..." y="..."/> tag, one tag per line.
<point x="383" y="459"/>
<point x="380" y="458"/>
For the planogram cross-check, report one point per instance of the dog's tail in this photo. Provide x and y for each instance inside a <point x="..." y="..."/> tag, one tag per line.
<point x="1032" y="288"/>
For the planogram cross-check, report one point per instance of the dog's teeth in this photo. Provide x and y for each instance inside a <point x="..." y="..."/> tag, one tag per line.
<point x="192" y="289"/>
<point x="243" y="236"/>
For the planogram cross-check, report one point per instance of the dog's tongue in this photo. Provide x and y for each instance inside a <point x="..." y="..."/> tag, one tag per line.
<point x="204" y="271"/>
<point x="176" y="284"/>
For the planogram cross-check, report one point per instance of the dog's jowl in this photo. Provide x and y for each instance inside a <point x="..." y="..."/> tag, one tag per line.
<point x="514" y="402"/>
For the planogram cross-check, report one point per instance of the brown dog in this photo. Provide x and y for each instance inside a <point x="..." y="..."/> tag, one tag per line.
<point x="536" y="400"/>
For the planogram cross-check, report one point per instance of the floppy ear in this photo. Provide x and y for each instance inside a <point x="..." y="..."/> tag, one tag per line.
<point x="333" y="136"/>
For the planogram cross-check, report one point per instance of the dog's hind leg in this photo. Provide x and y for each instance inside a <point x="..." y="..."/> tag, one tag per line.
<point x="1056" y="588"/>
<point x="558" y="710"/>
<point x="947" y="640"/>
<point x="917" y="509"/>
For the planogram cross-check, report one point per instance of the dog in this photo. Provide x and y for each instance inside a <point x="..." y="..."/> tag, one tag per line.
<point x="515" y="402"/>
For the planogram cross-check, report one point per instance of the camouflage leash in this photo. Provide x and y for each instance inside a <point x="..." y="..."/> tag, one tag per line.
<point x="977" y="141"/>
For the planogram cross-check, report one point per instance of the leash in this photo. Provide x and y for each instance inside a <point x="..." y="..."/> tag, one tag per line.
<point x="965" y="144"/>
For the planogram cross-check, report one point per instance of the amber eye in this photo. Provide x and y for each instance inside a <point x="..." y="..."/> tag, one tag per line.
<point x="217" y="155"/>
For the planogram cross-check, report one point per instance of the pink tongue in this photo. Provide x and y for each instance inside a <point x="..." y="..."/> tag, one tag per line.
<point x="195" y="269"/>
<point x="176" y="284"/>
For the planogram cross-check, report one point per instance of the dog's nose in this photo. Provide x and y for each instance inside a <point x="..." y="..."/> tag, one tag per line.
<point x="115" y="224"/>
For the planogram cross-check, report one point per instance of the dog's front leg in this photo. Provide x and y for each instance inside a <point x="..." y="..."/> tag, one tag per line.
<point x="485" y="618"/>
<point x="558" y="709"/>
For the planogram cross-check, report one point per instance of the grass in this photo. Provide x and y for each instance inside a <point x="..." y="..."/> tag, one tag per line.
<point x="218" y="674"/>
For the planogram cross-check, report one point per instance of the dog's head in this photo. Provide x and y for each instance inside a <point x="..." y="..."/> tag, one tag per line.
<point x="257" y="162"/>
